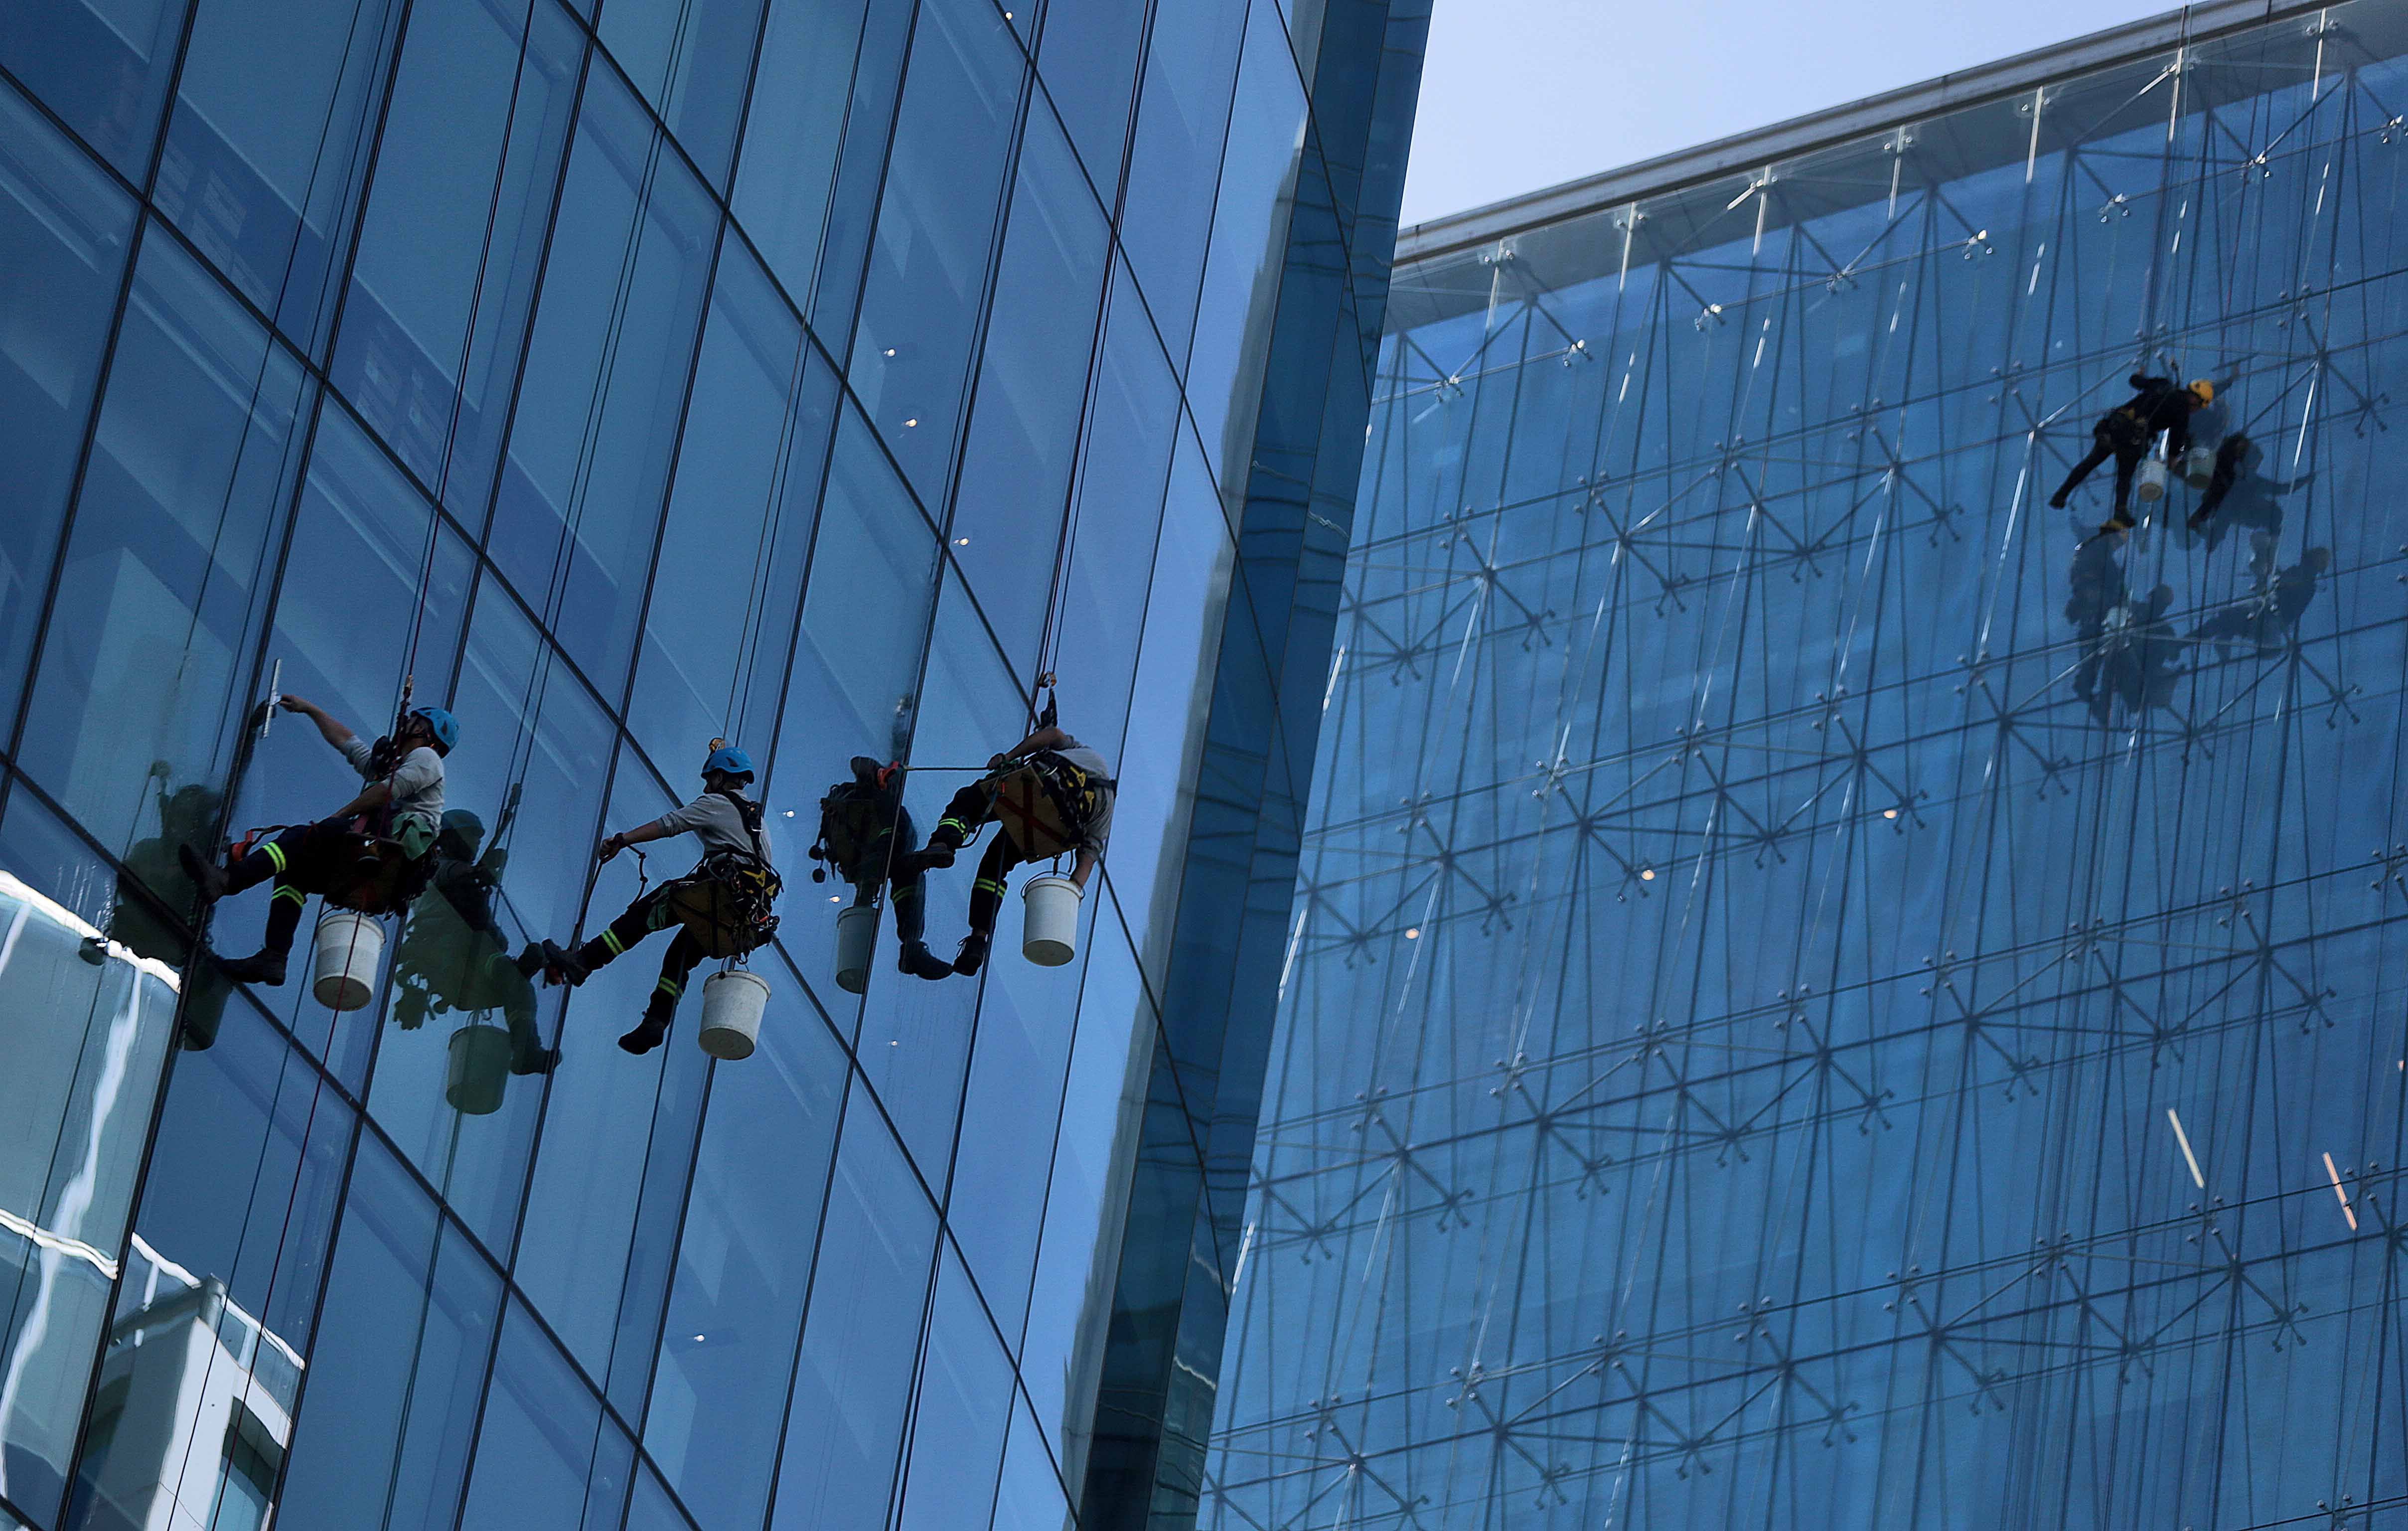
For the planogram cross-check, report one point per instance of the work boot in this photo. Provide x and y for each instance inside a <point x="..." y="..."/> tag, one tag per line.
<point x="649" y="1033"/>
<point x="266" y="968"/>
<point x="2057" y="501"/>
<point x="933" y="856"/>
<point x="918" y="961"/>
<point x="2119" y="522"/>
<point x="207" y="875"/>
<point x="973" y="954"/>
<point x="542" y="1060"/>
<point x="556" y="964"/>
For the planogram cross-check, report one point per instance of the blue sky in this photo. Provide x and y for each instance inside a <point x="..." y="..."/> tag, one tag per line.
<point x="1518" y="94"/>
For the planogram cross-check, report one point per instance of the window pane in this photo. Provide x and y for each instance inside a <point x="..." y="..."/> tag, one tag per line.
<point x="730" y="567"/>
<point x="64" y="234"/>
<point x="936" y="227"/>
<point x="536" y="1449"/>
<point x="268" y="143"/>
<point x="806" y="107"/>
<point x="1006" y="531"/>
<point x="218" y="1300"/>
<point x="1182" y="117"/>
<point x="1089" y="65"/>
<point x="690" y="59"/>
<point x="963" y="1406"/>
<point x="1030" y="1497"/>
<point x="80" y="1046"/>
<point x="606" y="376"/>
<point x="438" y="303"/>
<point x="845" y="1423"/>
<point x="155" y="627"/>
<point x="382" y="1440"/>
<point x="743" y="1261"/>
<point x="102" y="66"/>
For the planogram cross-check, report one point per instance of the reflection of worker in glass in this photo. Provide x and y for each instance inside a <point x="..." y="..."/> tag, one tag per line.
<point x="2125" y="433"/>
<point x="187" y="814"/>
<point x="2268" y="617"/>
<point x="2131" y="658"/>
<point x="868" y="838"/>
<point x="2095" y="592"/>
<point x="453" y="955"/>
<point x="2236" y="496"/>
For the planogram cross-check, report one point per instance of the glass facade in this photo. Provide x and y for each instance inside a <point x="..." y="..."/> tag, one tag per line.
<point x="1809" y="1003"/>
<point x="816" y="374"/>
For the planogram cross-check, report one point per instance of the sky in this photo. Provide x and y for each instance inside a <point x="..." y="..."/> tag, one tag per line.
<point x="1520" y="95"/>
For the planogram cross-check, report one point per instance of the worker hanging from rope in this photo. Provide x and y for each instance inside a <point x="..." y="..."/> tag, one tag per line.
<point x="1048" y="795"/>
<point x="453" y="955"/>
<point x="372" y="854"/>
<point x="868" y="838"/>
<point x="2125" y="433"/>
<point x="721" y="909"/>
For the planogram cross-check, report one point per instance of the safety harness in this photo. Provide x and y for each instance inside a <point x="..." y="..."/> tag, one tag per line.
<point x="1048" y="805"/>
<point x="726" y="902"/>
<point x="856" y="817"/>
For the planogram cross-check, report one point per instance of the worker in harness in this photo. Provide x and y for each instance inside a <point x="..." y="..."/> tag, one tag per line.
<point x="2125" y="431"/>
<point x="1048" y="794"/>
<point x="868" y="838"/>
<point x="721" y="907"/>
<point x="373" y="853"/>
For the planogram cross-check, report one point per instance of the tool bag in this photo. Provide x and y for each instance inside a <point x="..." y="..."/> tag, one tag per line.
<point x="1046" y="804"/>
<point x="727" y="903"/>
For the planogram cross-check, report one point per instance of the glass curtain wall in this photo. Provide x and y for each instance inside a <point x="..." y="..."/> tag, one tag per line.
<point x="1816" y="998"/>
<point x="814" y="374"/>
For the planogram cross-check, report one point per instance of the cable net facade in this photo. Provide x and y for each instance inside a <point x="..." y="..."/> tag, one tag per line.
<point x="1809" y="1004"/>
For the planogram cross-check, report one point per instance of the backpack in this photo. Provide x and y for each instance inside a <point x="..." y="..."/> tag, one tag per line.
<point x="856" y="820"/>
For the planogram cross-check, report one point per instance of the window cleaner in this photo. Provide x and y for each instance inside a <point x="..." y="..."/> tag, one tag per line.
<point x="721" y="909"/>
<point x="1049" y="796"/>
<point x="371" y="856"/>
<point x="868" y="838"/>
<point x="2127" y="431"/>
<point x="453" y="955"/>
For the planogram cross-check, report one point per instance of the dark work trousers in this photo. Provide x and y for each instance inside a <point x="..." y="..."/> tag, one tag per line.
<point x="303" y="859"/>
<point x="643" y="917"/>
<point x="2106" y="443"/>
<point x="886" y="861"/>
<point x="970" y="810"/>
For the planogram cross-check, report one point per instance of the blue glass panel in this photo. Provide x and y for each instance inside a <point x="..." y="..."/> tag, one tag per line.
<point x="1183" y="115"/>
<point x="219" y="1296"/>
<point x="431" y="332"/>
<point x="381" y="1440"/>
<point x="81" y="1041"/>
<point x="693" y="61"/>
<point x="744" y="1260"/>
<point x="536" y="1450"/>
<point x="805" y="109"/>
<point x="844" y="1429"/>
<point x="1028" y="1495"/>
<point x="1088" y="61"/>
<point x="579" y="504"/>
<point x="1015" y="483"/>
<point x="652" y="1509"/>
<point x="730" y="567"/>
<point x="102" y="67"/>
<point x="147" y="663"/>
<point x="962" y="1413"/>
<point x="268" y="145"/>
<point x="64" y="233"/>
<point x="617" y="1154"/>
<point x="935" y="233"/>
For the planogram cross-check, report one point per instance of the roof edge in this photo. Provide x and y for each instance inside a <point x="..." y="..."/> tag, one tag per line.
<point x="1758" y="146"/>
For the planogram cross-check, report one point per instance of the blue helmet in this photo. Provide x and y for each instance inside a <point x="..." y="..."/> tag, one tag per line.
<point x="445" y="727"/>
<point x="729" y="759"/>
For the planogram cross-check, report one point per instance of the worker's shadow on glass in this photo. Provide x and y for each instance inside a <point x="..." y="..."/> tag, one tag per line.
<point x="187" y="814"/>
<point x="453" y="959"/>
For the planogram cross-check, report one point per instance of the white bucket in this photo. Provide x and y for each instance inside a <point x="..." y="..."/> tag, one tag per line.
<point x="1049" y="932"/>
<point x="2199" y="466"/>
<point x="350" y="950"/>
<point x="2152" y="479"/>
<point x="480" y="1066"/>
<point x="857" y="939"/>
<point x="731" y="1003"/>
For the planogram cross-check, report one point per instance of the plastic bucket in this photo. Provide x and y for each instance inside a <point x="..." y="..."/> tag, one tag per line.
<point x="350" y="951"/>
<point x="2199" y="466"/>
<point x="856" y="938"/>
<point x="480" y="1065"/>
<point x="731" y="1003"/>
<point x="2152" y="479"/>
<point x="1049" y="932"/>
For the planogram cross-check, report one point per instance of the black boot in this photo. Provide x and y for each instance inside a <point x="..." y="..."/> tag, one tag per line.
<point x="973" y="954"/>
<point x="207" y="875"/>
<point x="933" y="856"/>
<point x="266" y="968"/>
<point x="918" y="961"/>
<point x="650" y="1032"/>
<point x="542" y="1060"/>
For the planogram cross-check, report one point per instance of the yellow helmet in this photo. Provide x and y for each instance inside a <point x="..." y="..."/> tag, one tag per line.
<point x="2203" y="389"/>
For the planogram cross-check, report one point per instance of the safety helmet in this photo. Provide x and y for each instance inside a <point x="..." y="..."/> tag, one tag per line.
<point x="463" y="829"/>
<point x="729" y="759"/>
<point x="445" y="727"/>
<point x="2203" y="391"/>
